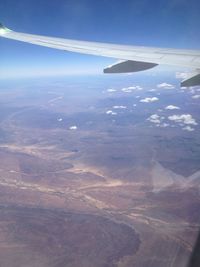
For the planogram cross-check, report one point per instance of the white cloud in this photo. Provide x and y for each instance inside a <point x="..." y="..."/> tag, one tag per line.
<point x="182" y="75"/>
<point x="171" y="107"/>
<point x="110" y="112"/>
<point x="134" y="105"/>
<point x="125" y="90"/>
<point x="164" y="125"/>
<point x="165" y="86"/>
<point x="184" y="118"/>
<point x="158" y="121"/>
<point x="191" y="89"/>
<point x="183" y="88"/>
<point x="149" y="99"/>
<point x="119" y="107"/>
<point x="152" y="90"/>
<point x="59" y="119"/>
<point x="111" y="90"/>
<point x="196" y="96"/>
<point x="130" y="89"/>
<point x="74" y="127"/>
<point x="154" y="119"/>
<point x="188" y="128"/>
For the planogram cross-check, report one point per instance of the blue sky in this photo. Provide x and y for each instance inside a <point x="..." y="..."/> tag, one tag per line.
<point x="161" y="23"/>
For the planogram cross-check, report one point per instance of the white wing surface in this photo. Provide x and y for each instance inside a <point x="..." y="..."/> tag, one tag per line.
<point x="132" y="58"/>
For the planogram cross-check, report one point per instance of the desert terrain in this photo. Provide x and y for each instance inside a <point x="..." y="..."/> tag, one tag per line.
<point x="87" y="179"/>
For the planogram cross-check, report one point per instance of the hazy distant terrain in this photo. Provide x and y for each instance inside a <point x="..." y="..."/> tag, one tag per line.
<point x="99" y="172"/>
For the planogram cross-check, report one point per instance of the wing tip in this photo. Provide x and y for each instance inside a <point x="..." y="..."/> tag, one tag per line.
<point x="2" y="26"/>
<point x="3" y="29"/>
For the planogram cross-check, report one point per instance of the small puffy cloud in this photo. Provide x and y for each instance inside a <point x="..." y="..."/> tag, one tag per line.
<point x="149" y="99"/>
<point x="158" y="121"/>
<point x="119" y="107"/>
<point x="190" y="89"/>
<point x="137" y="87"/>
<point x="165" y="86"/>
<point x="134" y="105"/>
<point x="164" y="125"/>
<point x="154" y="118"/>
<point x="125" y="90"/>
<point x="172" y="107"/>
<point x="59" y="119"/>
<point x="111" y="90"/>
<point x="152" y="90"/>
<point x="184" y="118"/>
<point x="110" y="112"/>
<point x="73" y="127"/>
<point x="182" y="75"/>
<point x="188" y="128"/>
<point x="130" y="89"/>
<point x="196" y="96"/>
<point x="183" y="88"/>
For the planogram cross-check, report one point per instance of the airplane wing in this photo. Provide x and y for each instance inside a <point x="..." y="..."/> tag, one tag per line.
<point x="132" y="58"/>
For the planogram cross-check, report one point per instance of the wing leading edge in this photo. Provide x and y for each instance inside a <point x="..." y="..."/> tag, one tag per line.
<point x="133" y="58"/>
